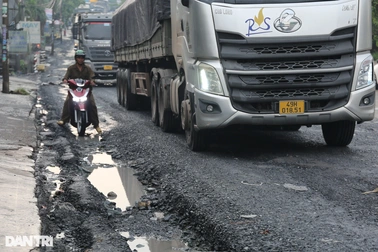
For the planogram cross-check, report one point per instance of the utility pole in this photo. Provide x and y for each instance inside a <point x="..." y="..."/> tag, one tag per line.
<point x="5" y="47"/>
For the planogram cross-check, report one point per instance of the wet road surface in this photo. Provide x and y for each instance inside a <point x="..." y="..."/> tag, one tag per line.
<point x="251" y="191"/>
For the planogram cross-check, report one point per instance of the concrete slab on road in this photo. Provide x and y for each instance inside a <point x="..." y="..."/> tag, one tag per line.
<point x="18" y="204"/>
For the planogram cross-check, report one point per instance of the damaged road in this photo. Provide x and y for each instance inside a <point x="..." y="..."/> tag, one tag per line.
<point x="251" y="191"/>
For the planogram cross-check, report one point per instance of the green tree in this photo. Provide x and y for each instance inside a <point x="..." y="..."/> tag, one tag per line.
<point x="114" y="5"/>
<point x="68" y="7"/>
<point x="35" y="10"/>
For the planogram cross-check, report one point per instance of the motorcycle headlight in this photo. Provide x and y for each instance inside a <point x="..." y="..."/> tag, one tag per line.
<point x="209" y="80"/>
<point x="365" y="75"/>
<point x="79" y="99"/>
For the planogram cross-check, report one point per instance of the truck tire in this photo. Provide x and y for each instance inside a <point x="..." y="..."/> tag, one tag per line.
<point x="338" y="133"/>
<point x="166" y="120"/>
<point x="119" y="96"/>
<point x="196" y="140"/>
<point x="131" y="100"/>
<point x="154" y="102"/>
<point x="122" y="87"/>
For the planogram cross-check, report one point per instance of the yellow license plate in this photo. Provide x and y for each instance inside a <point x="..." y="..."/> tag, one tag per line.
<point x="291" y="107"/>
<point x="107" y="67"/>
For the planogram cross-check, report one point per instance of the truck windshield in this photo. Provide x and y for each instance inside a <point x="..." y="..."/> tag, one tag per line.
<point x="98" y="31"/>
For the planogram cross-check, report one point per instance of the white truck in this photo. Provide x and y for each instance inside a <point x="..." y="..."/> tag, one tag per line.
<point x="211" y="64"/>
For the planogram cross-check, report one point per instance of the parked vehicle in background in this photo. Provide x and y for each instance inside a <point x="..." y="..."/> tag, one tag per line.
<point x="47" y="32"/>
<point x="81" y="9"/>
<point x="206" y="64"/>
<point x="93" y="35"/>
<point x="57" y="29"/>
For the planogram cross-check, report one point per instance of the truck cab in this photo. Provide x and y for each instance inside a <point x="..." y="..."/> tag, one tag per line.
<point x="93" y="37"/>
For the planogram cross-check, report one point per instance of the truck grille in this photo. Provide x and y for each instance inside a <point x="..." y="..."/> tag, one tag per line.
<point x="101" y="54"/>
<point x="260" y="73"/>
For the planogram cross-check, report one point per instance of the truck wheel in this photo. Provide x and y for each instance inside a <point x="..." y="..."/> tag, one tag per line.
<point x="154" y="103"/>
<point x="196" y="140"/>
<point x="338" y="133"/>
<point x="122" y="87"/>
<point x="130" y="99"/>
<point x="118" y="88"/>
<point x="166" y="119"/>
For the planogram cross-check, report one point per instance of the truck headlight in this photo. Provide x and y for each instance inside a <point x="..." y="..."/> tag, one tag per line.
<point x="365" y="75"/>
<point x="209" y="80"/>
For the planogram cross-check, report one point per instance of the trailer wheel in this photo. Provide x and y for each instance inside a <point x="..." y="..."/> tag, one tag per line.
<point x="154" y="102"/>
<point x="122" y="87"/>
<point x="130" y="99"/>
<point x="118" y="88"/>
<point x="338" y="133"/>
<point x="166" y="119"/>
<point x="196" y="140"/>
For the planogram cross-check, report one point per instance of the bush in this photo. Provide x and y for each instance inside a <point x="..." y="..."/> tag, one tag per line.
<point x="21" y="91"/>
<point x="23" y="66"/>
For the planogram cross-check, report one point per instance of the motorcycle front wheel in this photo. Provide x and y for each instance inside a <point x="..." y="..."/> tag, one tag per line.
<point x="81" y="122"/>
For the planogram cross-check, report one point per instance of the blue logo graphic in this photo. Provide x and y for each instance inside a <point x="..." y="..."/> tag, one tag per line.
<point x="258" y="24"/>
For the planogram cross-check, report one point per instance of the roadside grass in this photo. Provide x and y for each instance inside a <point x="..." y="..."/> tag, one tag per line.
<point x="20" y="91"/>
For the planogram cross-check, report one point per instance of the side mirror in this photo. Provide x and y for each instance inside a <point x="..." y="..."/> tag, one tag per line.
<point x="185" y="3"/>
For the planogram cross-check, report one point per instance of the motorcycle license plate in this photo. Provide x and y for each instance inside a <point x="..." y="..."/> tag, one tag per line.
<point x="108" y="67"/>
<point x="291" y="107"/>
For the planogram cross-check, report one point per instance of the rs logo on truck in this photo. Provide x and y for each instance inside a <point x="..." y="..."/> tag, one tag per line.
<point x="107" y="53"/>
<point x="258" y="24"/>
<point x="287" y="22"/>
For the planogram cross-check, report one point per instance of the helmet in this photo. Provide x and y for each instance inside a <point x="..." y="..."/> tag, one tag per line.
<point x="79" y="53"/>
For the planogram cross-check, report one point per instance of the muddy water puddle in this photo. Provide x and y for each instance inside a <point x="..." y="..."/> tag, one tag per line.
<point x="149" y="244"/>
<point x="117" y="183"/>
<point x="121" y="187"/>
<point x="53" y="169"/>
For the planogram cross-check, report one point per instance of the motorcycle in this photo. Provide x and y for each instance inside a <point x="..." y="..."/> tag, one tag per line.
<point x="79" y="90"/>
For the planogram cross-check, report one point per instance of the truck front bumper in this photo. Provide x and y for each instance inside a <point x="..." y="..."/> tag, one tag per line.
<point x="222" y="114"/>
<point x="105" y="77"/>
<point x="111" y="82"/>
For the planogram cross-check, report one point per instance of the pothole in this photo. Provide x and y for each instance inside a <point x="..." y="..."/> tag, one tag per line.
<point x="150" y="244"/>
<point x="118" y="184"/>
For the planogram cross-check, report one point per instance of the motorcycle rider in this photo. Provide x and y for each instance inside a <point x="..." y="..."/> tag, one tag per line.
<point x="82" y="71"/>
